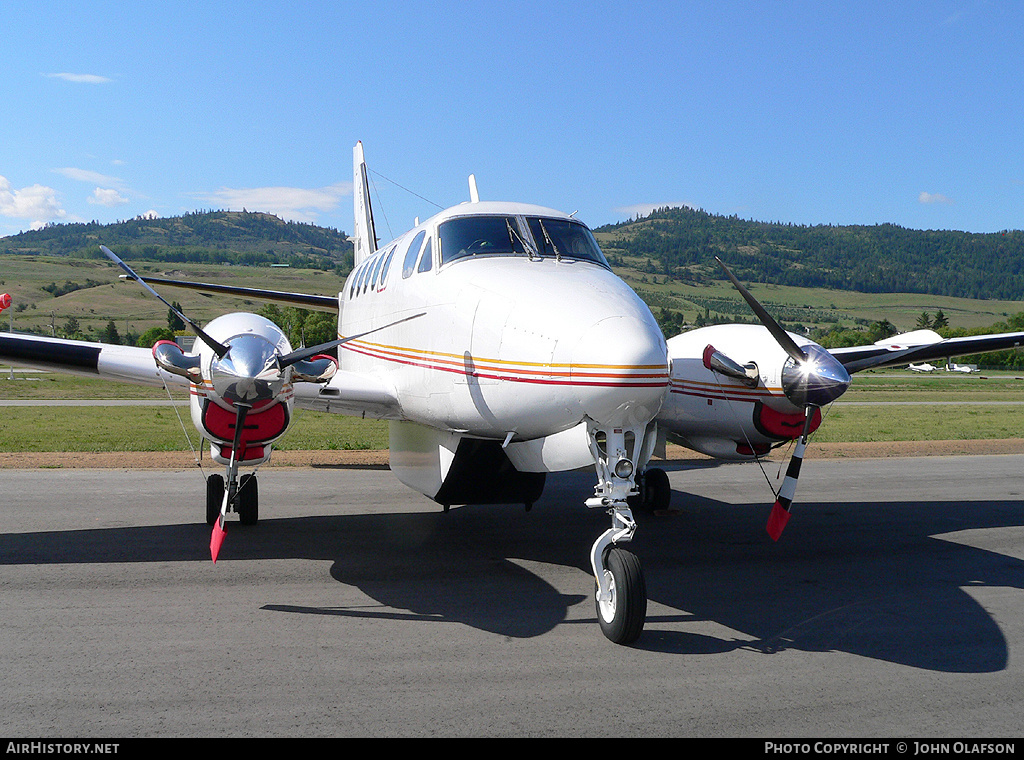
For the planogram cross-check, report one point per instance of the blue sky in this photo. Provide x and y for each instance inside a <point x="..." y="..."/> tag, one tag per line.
<point x="802" y="112"/>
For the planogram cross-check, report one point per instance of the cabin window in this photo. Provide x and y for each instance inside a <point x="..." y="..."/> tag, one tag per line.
<point x="360" y="279"/>
<point x="384" y="270"/>
<point x="365" y="281"/>
<point x="426" y="260"/>
<point x="409" y="265"/>
<point x="480" y="236"/>
<point x="565" y="238"/>
<point x="377" y="266"/>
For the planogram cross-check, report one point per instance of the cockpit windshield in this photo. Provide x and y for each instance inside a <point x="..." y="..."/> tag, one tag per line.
<point x="561" y="237"/>
<point x="517" y="236"/>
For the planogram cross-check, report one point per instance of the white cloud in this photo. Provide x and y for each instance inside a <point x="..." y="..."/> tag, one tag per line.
<point x="644" y="209"/>
<point x="80" y="78"/>
<point x="36" y="202"/>
<point x="85" y="175"/>
<point x="107" y="197"/>
<point x="292" y="203"/>
<point x="933" y="198"/>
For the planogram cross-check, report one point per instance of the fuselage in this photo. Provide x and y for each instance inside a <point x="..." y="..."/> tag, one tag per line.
<point x="525" y="330"/>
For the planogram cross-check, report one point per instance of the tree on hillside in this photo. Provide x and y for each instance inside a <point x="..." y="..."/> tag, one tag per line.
<point x="152" y="335"/>
<point x="110" y="334"/>
<point x="881" y="329"/>
<point x="174" y="322"/>
<point x="72" y="329"/>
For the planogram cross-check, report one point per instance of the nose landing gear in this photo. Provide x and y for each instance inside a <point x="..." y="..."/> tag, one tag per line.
<point x="621" y="592"/>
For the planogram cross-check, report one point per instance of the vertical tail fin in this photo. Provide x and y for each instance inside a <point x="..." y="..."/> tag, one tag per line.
<point x="365" y="236"/>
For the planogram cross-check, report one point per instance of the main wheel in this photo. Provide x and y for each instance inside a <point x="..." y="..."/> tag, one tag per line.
<point x="622" y="617"/>
<point x="248" y="500"/>
<point x="658" y="489"/>
<point x="655" y="491"/>
<point x="214" y="498"/>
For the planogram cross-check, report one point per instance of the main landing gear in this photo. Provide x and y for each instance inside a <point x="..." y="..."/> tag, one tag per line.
<point x="621" y="591"/>
<point x="242" y="495"/>
<point x="655" y="491"/>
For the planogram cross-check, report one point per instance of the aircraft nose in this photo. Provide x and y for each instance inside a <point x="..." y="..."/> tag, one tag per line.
<point x="620" y="366"/>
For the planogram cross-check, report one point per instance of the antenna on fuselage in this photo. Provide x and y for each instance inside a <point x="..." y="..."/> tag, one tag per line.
<point x="474" y="196"/>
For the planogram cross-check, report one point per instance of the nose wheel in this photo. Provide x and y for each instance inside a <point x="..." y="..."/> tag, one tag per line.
<point x="622" y="608"/>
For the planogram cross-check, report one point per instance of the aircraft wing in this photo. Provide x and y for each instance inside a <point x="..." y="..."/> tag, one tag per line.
<point x="892" y="353"/>
<point x="352" y="394"/>
<point x="302" y="300"/>
<point x="123" y="363"/>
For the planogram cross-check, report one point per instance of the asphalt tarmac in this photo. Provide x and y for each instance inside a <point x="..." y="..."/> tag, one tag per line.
<point x="891" y="607"/>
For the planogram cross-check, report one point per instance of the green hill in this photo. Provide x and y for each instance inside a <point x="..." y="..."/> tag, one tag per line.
<point x="215" y="237"/>
<point x="681" y="243"/>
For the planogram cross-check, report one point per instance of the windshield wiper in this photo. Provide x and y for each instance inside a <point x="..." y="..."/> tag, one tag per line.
<point x="549" y="241"/>
<point x="514" y="235"/>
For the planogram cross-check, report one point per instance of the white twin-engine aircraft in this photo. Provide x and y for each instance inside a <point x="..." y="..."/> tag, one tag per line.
<point x="499" y="344"/>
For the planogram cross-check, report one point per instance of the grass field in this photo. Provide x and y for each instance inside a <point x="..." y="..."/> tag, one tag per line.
<point x="913" y="408"/>
<point x="131" y="308"/>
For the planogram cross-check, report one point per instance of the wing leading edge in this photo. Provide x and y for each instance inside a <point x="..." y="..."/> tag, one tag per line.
<point x="892" y="353"/>
<point x="124" y="363"/>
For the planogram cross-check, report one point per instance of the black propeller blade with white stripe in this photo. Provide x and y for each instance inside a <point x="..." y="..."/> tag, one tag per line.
<point x="811" y="378"/>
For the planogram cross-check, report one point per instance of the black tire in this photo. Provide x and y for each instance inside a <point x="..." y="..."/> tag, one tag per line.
<point x="622" y="618"/>
<point x="655" y="491"/>
<point x="658" y="489"/>
<point x="248" y="500"/>
<point x="214" y="498"/>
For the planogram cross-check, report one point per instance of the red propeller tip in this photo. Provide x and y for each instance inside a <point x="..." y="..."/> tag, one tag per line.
<point x="216" y="539"/>
<point x="777" y="521"/>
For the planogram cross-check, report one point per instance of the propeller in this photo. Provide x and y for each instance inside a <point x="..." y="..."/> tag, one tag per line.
<point x="811" y="378"/>
<point x="219" y="530"/>
<point x="247" y="371"/>
<point x="218" y="348"/>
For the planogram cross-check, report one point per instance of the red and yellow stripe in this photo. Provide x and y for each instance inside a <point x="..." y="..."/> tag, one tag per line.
<point x="538" y="373"/>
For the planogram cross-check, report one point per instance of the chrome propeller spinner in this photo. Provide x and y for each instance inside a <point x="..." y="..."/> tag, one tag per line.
<point x="812" y="377"/>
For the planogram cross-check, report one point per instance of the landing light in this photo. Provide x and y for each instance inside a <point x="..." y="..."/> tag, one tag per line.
<point x="623" y="469"/>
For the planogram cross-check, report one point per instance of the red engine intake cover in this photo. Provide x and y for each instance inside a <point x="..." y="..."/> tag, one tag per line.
<point x="774" y="424"/>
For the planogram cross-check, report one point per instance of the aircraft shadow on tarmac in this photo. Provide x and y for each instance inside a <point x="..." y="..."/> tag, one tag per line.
<point x="868" y="579"/>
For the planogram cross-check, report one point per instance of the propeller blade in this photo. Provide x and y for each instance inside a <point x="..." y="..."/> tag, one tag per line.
<point x="218" y="348"/>
<point x="217" y="537"/>
<point x="815" y="377"/>
<point x="304" y="353"/>
<point x="784" y="501"/>
<point x="780" y="335"/>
